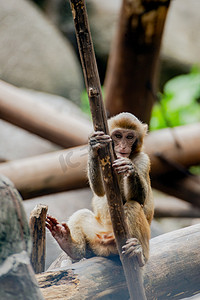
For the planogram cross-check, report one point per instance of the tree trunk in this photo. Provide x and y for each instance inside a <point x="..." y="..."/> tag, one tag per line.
<point x="171" y="273"/>
<point x="132" y="69"/>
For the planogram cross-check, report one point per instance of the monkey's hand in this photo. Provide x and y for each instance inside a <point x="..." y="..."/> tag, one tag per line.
<point x="123" y="165"/>
<point x="60" y="232"/>
<point x="99" y="140"/>
<point x="134" y="248"/>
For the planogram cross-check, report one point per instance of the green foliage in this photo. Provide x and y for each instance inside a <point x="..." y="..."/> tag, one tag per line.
<point x="85" y="106"/>
<point x="179" y="103"/>
<point x="195" y="170"/>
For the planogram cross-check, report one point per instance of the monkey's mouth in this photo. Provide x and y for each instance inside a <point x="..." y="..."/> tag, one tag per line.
<point x="122" y="154"/>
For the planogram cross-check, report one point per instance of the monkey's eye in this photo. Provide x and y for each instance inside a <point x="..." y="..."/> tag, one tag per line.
<point x="130" y="137"/>
<point x="118" y="136"/>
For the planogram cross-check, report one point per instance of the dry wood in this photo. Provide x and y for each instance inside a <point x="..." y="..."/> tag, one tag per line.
<point x="172" y="272"/>
<point x="17" y="279"/>
<point x="19" y="108"/>
<point x="131" y="267"/>
<point x="37" y="227"/>
<point x="48" y="173"/>
<point x="132" y="69"/>
<point x="64" y="170"/>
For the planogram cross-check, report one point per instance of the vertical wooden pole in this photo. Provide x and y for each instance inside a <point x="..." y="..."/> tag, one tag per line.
<point x="130" y="265"/>
<point x="37" y="228"/>
<point x="132" y="71"/>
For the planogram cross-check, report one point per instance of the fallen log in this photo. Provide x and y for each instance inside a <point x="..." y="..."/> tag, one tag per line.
<point x="17" y="278"/>
<point x="171" y="273"/>
<point x="19" y="108"/>
<point x="66" y="169"/>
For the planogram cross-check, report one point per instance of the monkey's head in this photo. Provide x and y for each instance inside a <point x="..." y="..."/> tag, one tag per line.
<point x="127" y="133"/>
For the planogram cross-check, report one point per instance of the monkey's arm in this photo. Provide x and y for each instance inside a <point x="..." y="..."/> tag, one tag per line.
<point x="136" y="177"/>
<point x="96" y="141"/>
<point x="94" y="174"/>
<point x="137" y="184"/>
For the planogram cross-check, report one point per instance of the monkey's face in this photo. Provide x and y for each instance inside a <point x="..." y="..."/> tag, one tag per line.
<point x="123" y="140"/>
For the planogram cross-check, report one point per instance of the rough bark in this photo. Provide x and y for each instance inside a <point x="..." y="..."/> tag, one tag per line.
<point x="37" y="227"/>
<point x="64" y="170"/>
<point x="132" y="69"/>
<point x="19" y="109"/>
<point x="171" y="273"/>
<point x="17" y="279"/>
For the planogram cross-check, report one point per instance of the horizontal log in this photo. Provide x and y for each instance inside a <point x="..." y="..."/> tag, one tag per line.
<point x="19" y="108"/>
<point x="66" y="169"/>
<point x="171" y="273"/>
<point x="179" y="145"/>
<point x="169" y="207"/>
<point x="48" y="173"/>
<point x="187" y="188"/>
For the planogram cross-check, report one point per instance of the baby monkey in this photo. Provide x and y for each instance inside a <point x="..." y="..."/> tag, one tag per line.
<point x="89" y="233"/>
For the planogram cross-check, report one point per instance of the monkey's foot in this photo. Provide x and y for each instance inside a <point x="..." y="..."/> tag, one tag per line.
<point x="60" y="232"/>
<point x="134" y="248"/>
<point x="105" y="238"/>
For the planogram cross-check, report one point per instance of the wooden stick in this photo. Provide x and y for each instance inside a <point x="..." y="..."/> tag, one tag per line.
<point x="37" y="228"/>
<point x="130" y="266"/>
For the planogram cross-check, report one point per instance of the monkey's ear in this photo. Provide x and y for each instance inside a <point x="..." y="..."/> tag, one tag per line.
<point x="145" y="127"/>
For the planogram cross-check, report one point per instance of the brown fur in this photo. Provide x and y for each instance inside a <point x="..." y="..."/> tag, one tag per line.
<point x="129" y="121"/>
<point x="91" y="232"/>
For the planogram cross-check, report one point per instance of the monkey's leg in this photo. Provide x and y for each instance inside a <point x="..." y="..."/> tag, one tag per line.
<point x="138" y="244"/>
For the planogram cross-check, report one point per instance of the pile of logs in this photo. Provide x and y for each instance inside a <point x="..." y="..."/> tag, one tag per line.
<point x="171" y="151"/>
<point x="171" y="273"/>
<point x="173" y="269"/>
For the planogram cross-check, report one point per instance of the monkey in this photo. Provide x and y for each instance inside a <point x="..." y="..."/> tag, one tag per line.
<point x="88" y="233"/>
